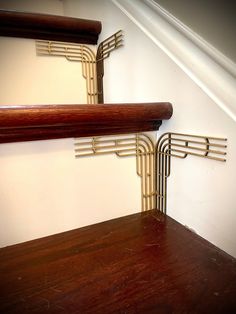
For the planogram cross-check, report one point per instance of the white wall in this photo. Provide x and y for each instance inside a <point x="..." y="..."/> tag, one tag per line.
<point x="43" y="188"/>
<point x="42" y="6"/>
<point x="201" y="192"/>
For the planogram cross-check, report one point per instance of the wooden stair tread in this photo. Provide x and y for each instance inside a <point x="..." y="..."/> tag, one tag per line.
<point x="39" y="122"/>
<point x="141" y="263"/>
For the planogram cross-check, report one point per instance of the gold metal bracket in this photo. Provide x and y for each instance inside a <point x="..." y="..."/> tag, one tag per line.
<point x="139" y="145"/>
<point x="76" y="53"/>
<point x="92" y="66"/>
<point x="153" y="163"/>
<point x="180" y="146"/>
<point x="110" y="44"/>
<point x="104" y="49"/>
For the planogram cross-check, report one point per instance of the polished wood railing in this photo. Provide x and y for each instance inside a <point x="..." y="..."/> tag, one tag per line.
<point x="38" y="122"/>
<point x="49" y="27"/>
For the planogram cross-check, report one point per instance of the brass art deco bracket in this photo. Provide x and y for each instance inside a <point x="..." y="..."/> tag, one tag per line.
<point x="139" y="145"/>
<point x="180" y="146"/>
<point x="153" y="163"/>
<point x="92" y="66"/>
<point x="104" y="49"/>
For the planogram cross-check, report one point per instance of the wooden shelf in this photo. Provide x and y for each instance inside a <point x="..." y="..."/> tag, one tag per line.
<point x="38" y="122"/>
<point x="143" y="263"/>
<point x="49" y="27"/>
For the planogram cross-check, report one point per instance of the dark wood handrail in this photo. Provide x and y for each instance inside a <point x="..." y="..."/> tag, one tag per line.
<point x="27" y="123"/>
<point x="49" y="27"/>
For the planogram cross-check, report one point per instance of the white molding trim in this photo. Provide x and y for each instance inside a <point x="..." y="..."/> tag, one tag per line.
<point x="213" y="72"/>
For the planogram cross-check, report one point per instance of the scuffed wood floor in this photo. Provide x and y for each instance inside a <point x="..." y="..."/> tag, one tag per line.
<point x="135" y="264"/>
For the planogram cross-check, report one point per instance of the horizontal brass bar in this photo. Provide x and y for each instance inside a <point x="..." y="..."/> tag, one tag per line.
<point x="119" y="151"/>
<point x="200" y="149"/>
<point x="98" y="149"/>
<point x="60" y="53"/>
<point x="193" y="154"/>
<point x="54" y="48"/>
<point x="59" y="43"/>
<point x="50" y="46"/>
<point x="62" y="45"/>
<point x="199" y="136"/>
<point x="106" y="141"/>
<point x="197" y="142"/>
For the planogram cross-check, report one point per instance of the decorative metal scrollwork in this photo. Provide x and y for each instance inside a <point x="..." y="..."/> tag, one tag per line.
<point x="180" y="146"/>
<point x="92" y="66"/>
<point x="139" y="145"/>
<point x="77" y="53"/>
<point x="153" y="164"/>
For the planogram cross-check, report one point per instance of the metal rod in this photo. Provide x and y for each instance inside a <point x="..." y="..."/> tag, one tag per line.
<point x="139" y="145"/>
<point x="76" y="53"/>
<point x="167" y="147"/>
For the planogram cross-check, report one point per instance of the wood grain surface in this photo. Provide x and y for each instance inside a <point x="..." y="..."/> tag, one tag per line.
<point x="143" y="263"/>
<point x="49" y="27"/>
<point x="25" y="123"/>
